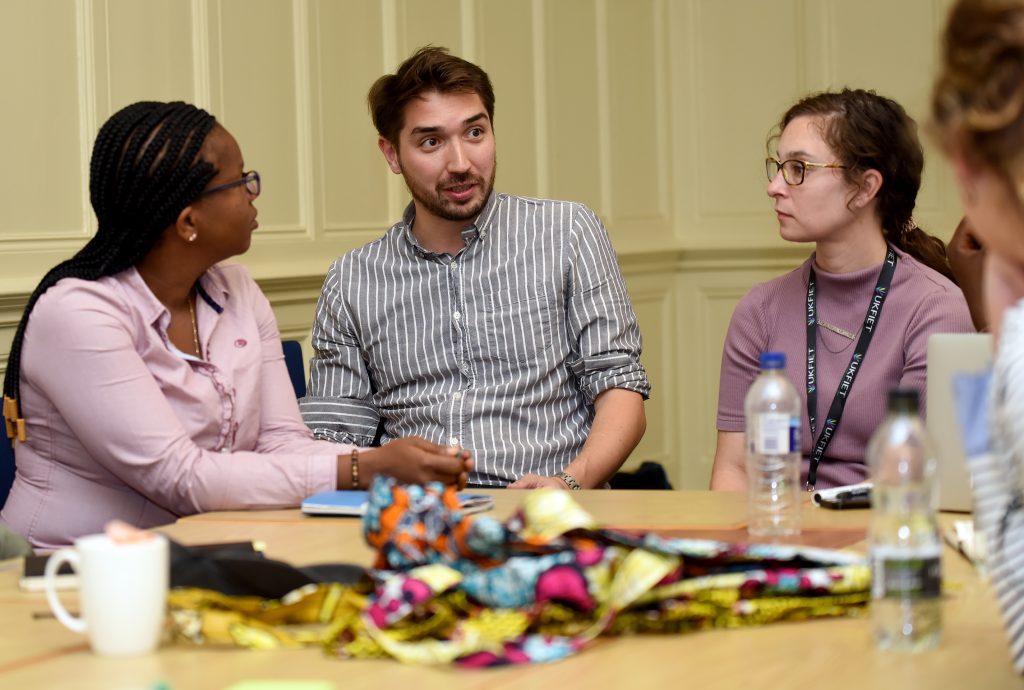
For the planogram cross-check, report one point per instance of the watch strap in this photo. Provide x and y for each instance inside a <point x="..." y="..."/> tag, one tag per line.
<point x="570" y="481"/>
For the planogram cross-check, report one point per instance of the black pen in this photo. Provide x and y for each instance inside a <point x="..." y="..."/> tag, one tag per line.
<point x="856" y="493"/>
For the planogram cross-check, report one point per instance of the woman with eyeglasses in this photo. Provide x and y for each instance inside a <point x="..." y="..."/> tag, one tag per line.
<point x="854" y="319"/>
<point x="146" y="379"/>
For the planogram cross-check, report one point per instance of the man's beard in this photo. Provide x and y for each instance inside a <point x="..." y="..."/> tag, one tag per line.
<point x="434" y="200"/>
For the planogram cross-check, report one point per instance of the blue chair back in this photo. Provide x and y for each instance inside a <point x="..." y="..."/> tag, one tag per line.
<point x="296" y="367"/>
<point x="6" y="466"/>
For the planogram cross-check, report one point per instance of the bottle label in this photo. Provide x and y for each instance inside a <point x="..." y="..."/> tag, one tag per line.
<point x="774" y="433"/>
<point x="905" y="574"/>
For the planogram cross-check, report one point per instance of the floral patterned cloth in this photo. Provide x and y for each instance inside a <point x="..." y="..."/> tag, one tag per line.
<point x="470" y="590"/>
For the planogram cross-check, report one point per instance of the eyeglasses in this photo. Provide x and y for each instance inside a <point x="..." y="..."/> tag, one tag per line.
<point x="793" y="170"/>
<point x="250" y="179"/>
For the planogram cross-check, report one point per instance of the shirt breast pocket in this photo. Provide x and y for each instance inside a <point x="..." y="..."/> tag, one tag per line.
<point x="518" y="324"/>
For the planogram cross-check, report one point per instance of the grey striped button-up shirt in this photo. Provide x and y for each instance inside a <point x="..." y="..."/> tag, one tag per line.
<point x="501" y="349"/>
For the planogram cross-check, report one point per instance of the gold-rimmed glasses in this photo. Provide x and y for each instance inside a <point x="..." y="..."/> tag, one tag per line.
<point x="793" y="170"/>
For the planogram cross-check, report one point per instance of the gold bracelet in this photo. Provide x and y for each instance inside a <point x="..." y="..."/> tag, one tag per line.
<point x="355" y="468"/>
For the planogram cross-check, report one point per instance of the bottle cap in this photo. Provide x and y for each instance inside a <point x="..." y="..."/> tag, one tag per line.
<point x="773" y="360"/>
<point x="904" y="400"/>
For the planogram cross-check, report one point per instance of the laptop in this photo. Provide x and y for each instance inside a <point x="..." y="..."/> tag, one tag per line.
<point x="951" y="354"/>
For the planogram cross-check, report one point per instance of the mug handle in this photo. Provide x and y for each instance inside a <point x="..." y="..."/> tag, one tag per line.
<point x="57" y="559"/>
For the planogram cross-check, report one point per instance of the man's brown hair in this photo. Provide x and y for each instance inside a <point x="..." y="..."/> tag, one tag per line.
<point x="429" y="69"/>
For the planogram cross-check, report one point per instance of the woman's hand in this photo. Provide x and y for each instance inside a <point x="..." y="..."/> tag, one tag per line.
<point x="414" y="460"/>
<point x="966" y="258"/>
<point x="1003" y="287"/>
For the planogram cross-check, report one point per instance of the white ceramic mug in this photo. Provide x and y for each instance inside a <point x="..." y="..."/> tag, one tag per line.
<point x="122" y="592"/>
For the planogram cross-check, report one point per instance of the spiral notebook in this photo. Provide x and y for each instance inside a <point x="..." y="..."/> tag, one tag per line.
<point x="354" y="503"/>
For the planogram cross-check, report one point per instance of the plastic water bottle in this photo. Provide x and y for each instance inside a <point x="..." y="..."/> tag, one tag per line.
<point x="772" y="409"/>
<point x="905" y="545"/>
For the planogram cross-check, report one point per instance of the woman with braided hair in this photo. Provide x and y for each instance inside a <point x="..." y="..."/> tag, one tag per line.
<point x="146" y="379"/>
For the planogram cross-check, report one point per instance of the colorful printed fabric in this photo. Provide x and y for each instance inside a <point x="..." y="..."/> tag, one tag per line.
<point x="469" y="590"/>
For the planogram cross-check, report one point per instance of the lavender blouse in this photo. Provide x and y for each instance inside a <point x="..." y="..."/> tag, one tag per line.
<point x="772" y="316"/>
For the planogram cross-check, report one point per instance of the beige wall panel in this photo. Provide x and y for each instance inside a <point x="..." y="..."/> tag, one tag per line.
<point x="904" y="45"/>
<point x="41" y="182"/>
<point x="637" y="121"/>
<point x="708" y="302"/>
<point x="11" y="307"/>
<point x="255" y="95"/>
<point x="293" y="300"/>
<point x="707" y="297"/>
<point x="737" y="67"/>
<point x="651" y="289"/>
<point x="352" y="179"/>
<point x="149" y="54"/>
<point x="572" y="103"/>
<point x="504" y="48"/>
<point x="429" y="22"/>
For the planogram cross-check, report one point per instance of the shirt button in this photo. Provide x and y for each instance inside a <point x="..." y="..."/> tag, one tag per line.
<point x="456" y="316"/>
<point x="458" y="395"/>
<point x="454" y="265"/>
<point x="225" y="450"/>
<point x="453" y="441"/>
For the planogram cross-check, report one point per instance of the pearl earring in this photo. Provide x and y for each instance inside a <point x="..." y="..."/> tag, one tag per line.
<point x="192" y="237"/>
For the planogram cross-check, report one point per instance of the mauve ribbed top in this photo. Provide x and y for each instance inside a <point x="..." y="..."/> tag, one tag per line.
<point x="772" y="316"/>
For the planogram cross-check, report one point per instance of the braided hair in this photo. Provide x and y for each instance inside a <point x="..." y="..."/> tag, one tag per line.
<point x="145" y="169"/>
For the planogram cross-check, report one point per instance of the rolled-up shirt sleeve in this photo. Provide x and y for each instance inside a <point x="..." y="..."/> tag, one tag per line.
<point x="338" y="406"/>
<point x="601" y="319"/>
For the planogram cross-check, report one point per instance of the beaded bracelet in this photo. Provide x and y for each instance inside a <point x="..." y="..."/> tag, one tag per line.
<point x="355" y="468"/>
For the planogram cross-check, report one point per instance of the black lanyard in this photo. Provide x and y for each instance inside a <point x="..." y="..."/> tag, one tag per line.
<point x="835" y="411"/>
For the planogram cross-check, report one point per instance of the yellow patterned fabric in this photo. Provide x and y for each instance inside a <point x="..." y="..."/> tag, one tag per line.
<point x="536" y="588"/>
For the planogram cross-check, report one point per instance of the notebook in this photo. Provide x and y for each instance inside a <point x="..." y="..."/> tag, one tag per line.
<point x="354" y="503"/>
<point x="951" y="354"/>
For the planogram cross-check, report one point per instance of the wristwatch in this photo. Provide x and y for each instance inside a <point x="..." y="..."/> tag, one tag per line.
<point x="570" y="481"/>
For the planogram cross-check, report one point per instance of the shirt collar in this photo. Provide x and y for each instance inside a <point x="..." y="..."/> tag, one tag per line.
<point x="478" y="229"/>
<point x="211" y="287"/>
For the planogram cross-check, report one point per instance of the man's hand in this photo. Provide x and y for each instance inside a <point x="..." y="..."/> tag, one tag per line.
<point x="536" y="481"/>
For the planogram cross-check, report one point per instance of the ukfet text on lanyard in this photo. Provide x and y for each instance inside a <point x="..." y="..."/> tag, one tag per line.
<point x="867" y="331"/>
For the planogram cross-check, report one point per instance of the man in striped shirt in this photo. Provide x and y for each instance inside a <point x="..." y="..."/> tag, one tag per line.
<point x="493" y="322"/>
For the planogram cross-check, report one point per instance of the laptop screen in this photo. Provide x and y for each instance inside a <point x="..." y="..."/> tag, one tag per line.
<point x="950" y="354"/>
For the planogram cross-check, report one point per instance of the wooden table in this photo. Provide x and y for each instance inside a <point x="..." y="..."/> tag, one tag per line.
<point x="828" y="654"/>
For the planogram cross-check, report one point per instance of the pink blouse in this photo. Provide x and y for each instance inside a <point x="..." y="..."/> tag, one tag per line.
<point x="123" y="425"/>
